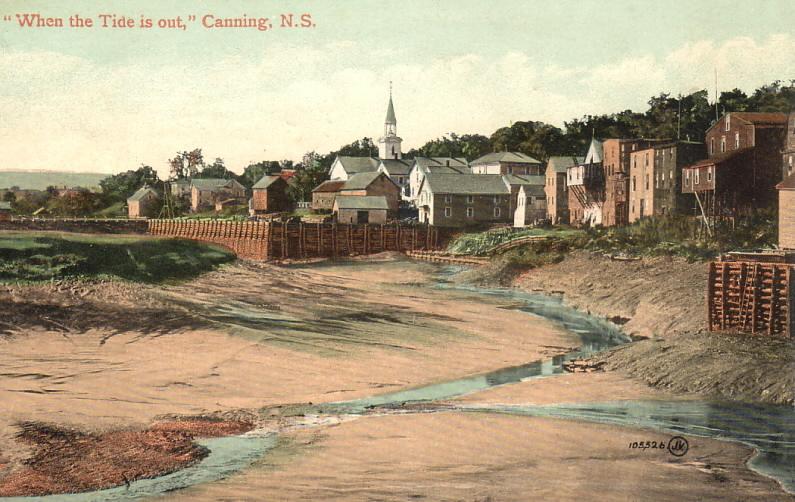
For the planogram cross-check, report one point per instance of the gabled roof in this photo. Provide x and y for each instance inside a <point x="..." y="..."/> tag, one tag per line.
<point x="181" y="181"/>
<point x="559" y="164"/>
<point x="466" y="183"/>
<point x="761" y="118"/>
<point x="514" y="157"/>
<point x="595" y="152"/>
<point x="140" y="194"/>
<point x="361" y="202"/>
<point x="360" y="181"/>
<point x="354" y="165"/>
<point x="523" y="180"/>
<point x="266" y="181"/>
<point x="432" y="162"/>
<point x="534" y="190"/>
<point x="397" y="167"/>
<point x="788" y="183"/>
<point x="721" y="157"/>
<point x="329" y="186"/>
<point x="213" y="184"/>
<point x="5" y="206"/>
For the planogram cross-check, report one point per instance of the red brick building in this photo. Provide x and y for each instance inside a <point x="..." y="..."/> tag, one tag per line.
<point x="555" y="188"/>
<point x="786" y="213"/>
<point x="269" y="195"/>
<point x="616" y="164"/>
<point x="743" y="167"/>
<point x="585" y="183"/>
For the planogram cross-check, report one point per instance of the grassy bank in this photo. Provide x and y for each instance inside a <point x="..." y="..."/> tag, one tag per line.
<point x="37" y="256"/>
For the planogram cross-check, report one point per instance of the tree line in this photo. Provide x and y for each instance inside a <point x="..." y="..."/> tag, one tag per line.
<point x="685" y="117"/>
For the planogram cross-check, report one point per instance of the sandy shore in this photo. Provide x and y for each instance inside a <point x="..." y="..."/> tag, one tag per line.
<point x="478" y="457"/>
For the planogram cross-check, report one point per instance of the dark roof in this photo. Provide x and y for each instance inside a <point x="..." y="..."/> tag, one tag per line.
<point x="140" y="194"/>
<point x="266" y="181"/>
<point x="534" y="190"/>
<point x="523" y="179"/>
<point x="361" y="181"/>
<point x="788" y="183"/>
<point x="5" y="206"/>
<point x="515" y="157"/>
<point x="397" y="166"/>
<point x="559" y="164"/>
<point x="358" y="164"/>
<point x="329" y="186"/>
<point x="361" y="202"/>
<point x="212" y="184"/>
<point x="721" y="157"/>
<point x="466" y="183"/>
<point x="761" y="118"/>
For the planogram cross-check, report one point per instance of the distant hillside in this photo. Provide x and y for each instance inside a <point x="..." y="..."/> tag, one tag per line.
<point x="39" y="180"/>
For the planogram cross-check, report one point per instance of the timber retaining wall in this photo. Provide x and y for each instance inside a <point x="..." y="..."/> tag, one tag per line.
<point x="275" y="240"/>
<point x="78" y="225"/>
<point x="750" y="297"/>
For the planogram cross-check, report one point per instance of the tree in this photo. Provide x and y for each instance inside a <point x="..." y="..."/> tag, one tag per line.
<point x="254" y="172"/>
<point x="309" y="174"/>
<point x="118" y="187"/>
<point x="470" y="146"/>
<point x="215" y="170"/>
<point x="79" y="203"/>
<point x="186" y="164"/>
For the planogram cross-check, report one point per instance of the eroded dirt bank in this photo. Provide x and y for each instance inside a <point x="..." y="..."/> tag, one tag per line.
<point x="664" y="299"/>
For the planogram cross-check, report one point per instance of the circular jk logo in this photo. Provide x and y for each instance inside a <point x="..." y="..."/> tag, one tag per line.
<point x="677" y="446"/>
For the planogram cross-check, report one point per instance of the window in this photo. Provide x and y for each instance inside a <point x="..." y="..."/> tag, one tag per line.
<point x="530" y="199"/>
<point x="448" y="199"/>
<point x="510" y="170"/>
<point x="656" y="180"/>
<point x="670" y="174"/>
<point x="728" y="122"/>
<point x="647" y="181"/>
<point x="553" y="200"/>
<point x="634" y="186"/>
<point x="448" y="212"/>
<point x="696" y="176"/>
<point x="496" y="199"/>
<point x="711" y="146"/>
<point x="647" y="158"/>
<point x="470" y="212"/>
<point x="709" y="174"/>
<point x="723" y="144"/>
<point x="497" y="212"/>
<point x="470" y="199"/>
<point x="736" y="140"/>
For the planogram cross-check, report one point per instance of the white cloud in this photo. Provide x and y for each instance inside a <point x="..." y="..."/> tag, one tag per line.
<point x="66" y="112"/>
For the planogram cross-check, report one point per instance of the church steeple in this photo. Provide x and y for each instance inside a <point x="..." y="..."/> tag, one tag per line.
<point x="390" y="143"/>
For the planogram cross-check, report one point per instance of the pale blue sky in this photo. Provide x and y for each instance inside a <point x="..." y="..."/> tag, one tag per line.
<point x="108" y="99"/>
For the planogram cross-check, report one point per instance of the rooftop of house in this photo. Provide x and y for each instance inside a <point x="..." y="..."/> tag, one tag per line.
<point x="523" y="179"/>
<point x="358" y="164"/>
<point x="456" y="162"/>
<point x="212" y="184"/>
<point x="360" y="181"/>
<point x="722" y="157"/>
<point x="788" y="183"/>
<point x="469" y="184"/>
<point x="266" y="181"/>
<point x="361" y="202"/>
<point x="329" y="186"/>
<point x="534" y="190"/>
<point x="558" y="164"/>
<point x="595" y="153"/>
<point x="140" y="194"/>
<point x="760" y="118"/>
<point x="397" y="167"/>
<point x="513" y="157"/>
<point x="5" y="206"/>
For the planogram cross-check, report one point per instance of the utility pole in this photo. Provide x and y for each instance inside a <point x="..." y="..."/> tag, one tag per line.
<point x="716" y="95"/>
<point x="679" y="119"/>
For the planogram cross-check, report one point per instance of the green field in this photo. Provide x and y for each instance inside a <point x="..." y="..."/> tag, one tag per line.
<point x="40" y="180"/>
<point x="37" y="256"/>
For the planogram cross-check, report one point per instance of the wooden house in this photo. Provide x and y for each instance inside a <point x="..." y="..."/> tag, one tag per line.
<point x="507" y="163"/>
<point x="531" y="205"/>
<point x="786" y="213"/>
<point x="373" y="184"/>
<point x="360" y="209"/>
<point x="655" y="178"/>
<point x="324" y="194"/>
<point x="269" y="195"/>
<point x="205" y="192"/>
<point x="144" y="203"/>
<point x="555" y="188"/>
<point x="344" y="167"/>
<point x="743" y="165"/>
<point x="461" y="200"/>
<point x="439" y="165"/>
<point x="5" y="211"/>
<point x="586" y="186"/>
<point x="398" y="171"/>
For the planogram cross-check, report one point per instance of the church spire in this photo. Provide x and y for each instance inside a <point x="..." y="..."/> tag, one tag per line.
<point x="390" y="111"/>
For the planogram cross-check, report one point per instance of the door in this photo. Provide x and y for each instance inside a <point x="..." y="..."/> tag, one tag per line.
<point x="362" y="217"/>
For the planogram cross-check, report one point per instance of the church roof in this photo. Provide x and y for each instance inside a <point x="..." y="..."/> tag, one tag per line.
<point x="595" y="152"/>
<point x="390" y="112"/>
<point x="396" y="167"/>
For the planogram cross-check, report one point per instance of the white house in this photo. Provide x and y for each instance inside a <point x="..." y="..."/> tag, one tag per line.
<point x="440" y="165"/>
